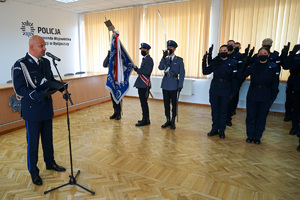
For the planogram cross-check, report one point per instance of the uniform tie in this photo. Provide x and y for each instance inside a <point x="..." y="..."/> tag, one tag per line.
<point x="40" y="62"/>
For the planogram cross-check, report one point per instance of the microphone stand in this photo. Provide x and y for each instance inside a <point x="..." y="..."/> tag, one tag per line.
<point x="67" y="97"/>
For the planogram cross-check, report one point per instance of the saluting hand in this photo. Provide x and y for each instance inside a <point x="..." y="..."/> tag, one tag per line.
<point x="204" y="57"/>
<point x="285" y="49"/>
<point x="210" y="50"/>
<point x="165" y="54"/>
<point x="296" y="48"/>
<point x="247" y="49"/>
<point x="251" y="52"/>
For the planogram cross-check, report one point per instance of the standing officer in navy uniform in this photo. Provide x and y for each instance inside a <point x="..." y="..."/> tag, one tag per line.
<point x="222" y="88"/>
<point x="290" y="85"/>
<point x="233" y="53"/>
<point x="292" y="62"/>
<point x="116" y="106"/>
<point x="36" y="106"/>
<point x="262" y="93"/>
<point x="142" y="83"/>
<point x="233" y="50"/>
<point x="172" y="82"/>
<point x="274" y="56"/>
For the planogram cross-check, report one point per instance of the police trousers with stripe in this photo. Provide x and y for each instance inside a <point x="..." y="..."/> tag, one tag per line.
<point x="35" y="129"/>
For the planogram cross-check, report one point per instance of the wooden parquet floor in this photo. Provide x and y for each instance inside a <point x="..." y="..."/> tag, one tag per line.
<point x="120" y="161"/>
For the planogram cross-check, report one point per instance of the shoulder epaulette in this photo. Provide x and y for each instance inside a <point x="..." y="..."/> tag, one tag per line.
<point x="21" y="59"/>
<point x="232" y="62"/>
<point x="272" y="65"/>
<point x="276" y="53"/>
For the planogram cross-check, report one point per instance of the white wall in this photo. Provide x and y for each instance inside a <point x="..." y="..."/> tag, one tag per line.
<point x="14" y="45"/>
<point x="214" y="25"/>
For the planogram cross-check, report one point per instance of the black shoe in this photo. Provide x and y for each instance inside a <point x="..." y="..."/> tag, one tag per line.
<point x="256" y="141"/>
<point x="36" y="179"/>
<point x="142" y="123"/>
<point x="173" y="123"/>
<point x="249" y="140"/>
<point x="56" y="167"/>
<point x="173" y="126"/>
<point x="221" y="134"/>
<point x="168" y="123"/>
<point x="298" y="148"/>
<point x="118" y="117"/>
<point x="145" y="121"/>
<point x="293" y="132"/>
<point x="213" y="133"/>
<point x="142" y="120"/>
<point x="228" y="123"/>
<point x="113" y="116"/>
<point x="287" y="118"/>
<point x="147" y="118"/>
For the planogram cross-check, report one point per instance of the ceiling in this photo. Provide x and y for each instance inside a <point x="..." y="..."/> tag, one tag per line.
<point x="86" y="6"/>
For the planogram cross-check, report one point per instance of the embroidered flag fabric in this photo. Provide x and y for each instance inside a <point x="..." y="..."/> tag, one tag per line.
<point x="120" y="68"/>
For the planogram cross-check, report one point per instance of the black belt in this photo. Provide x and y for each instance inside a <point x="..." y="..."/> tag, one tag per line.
<point x="222" y="80"/>
<point x="168" y="75"/>
<point x="259" y="86"/>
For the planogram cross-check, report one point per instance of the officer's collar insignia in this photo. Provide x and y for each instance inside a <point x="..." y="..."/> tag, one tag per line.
<point x="30" y="60"/>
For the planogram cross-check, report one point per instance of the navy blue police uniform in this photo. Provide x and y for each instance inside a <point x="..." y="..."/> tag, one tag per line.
<point x="235" y="56"/>
<point x="263" y="90"/>
<point x="294" y="72"/>
<point x="293" y="63"/>
<point x="116" y="106"/>
<point x="172" y="82"/>
<point x="235" y="99"/>
<point x="143" y="84"/>
<point x="274" y="58"/>
<point x="36" y="109"/>
<point x="223" y="86"/>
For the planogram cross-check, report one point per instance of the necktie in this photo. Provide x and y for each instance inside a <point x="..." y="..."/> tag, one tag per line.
<point x="170" y="60"/>
<point x="40" y="62"/>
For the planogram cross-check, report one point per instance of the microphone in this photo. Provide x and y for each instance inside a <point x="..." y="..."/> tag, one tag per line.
<point x="52" y="56"/>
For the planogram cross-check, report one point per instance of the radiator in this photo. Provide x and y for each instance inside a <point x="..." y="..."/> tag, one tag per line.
<point x="187" y="85"/>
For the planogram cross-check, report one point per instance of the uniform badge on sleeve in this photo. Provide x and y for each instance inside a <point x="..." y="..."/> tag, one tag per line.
<point x="15" y="103"/>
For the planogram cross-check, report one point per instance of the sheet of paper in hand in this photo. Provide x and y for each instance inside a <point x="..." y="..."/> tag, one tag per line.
<point x="53" y="85"/>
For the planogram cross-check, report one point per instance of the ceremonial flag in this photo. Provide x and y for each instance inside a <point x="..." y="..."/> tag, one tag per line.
<point x="120" y="68"/>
